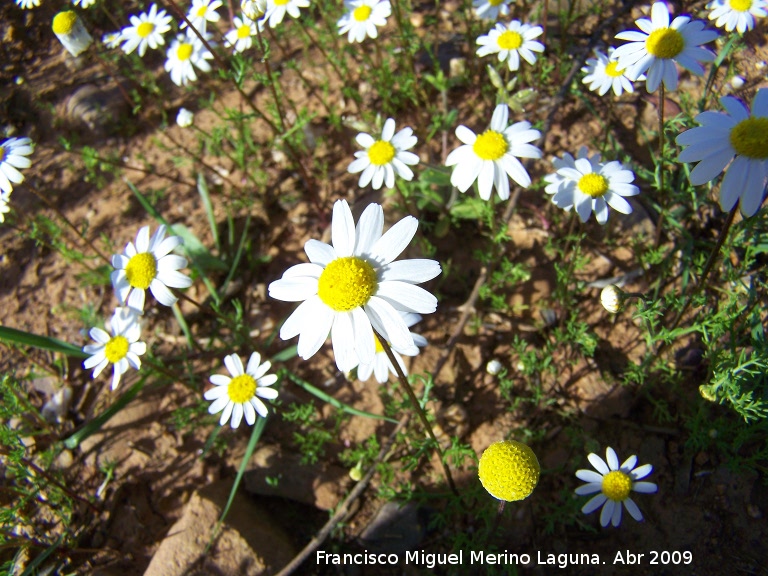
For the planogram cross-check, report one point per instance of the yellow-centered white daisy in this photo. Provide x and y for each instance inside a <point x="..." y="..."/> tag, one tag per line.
<point x="241" y="36"/>
<point x="587" y="184"/>
<point x="602" y="73"/>
<point x="614" y="483"/>
<point x="384" y="158"/>
<point x="381" y="366"/>
<point x="355" y="284"/>
<point x="734" y="139"/>
<point x="511" y="42"/>
<point x="276" y="10"/>
<point x="146" y="31"/>
<point x="491" y="9"/>
<point x="13" y="155"/>
<point x="184" y="55"/>
<point x="122" y="348"/>
<point x="362" y="18"/>
<point x="112" y="39"/>
<point x="492" y="157"/>
<point x="201" y="12"/>
<point x="739" y="15"/>
<point x="71" y="33"/>
<point x="660" y="44"/>
<point x="149" y="264"/>
<point x="239" y="395"/>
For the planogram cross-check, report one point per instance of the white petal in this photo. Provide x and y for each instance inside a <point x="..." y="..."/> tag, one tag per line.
<point x="394" y="241"/>
<point x="599" y="464"/>
<point x="342" y="229"/>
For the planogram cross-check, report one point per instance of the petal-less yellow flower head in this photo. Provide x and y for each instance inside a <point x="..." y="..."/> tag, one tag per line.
<point x="617" y="485"/>
<point x="510" y="40"/>
<point x="141" y="270"/>
<point x="665" y="43"/>
<point x="750" y="138"/>
<point x="241" y="388"/>
<point x="594" y="185"/>
<point x="381" y="152"/>
<point x="347" y="283"/>
<point x="184" y="51"/>
<point x="509" y="470"/>
<point x="612" y="70"/>
<point x="145" y="29"/>
<point x="243" y="31"/>
<point x="64" y="22"/>
<point x="741" y="5"/>
<point x="116" y="349"/>
<point x="490" y="145"/>
<point x="361" y="14"/>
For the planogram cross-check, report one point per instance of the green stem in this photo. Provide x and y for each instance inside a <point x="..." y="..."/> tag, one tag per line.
<point x="662" y="197"/>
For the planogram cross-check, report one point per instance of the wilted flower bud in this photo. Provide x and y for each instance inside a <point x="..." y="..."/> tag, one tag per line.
<point x="612" y="299"/>
<point x="253" y="9"/>
<point x="493" y="367"/>
<point x="185" y="118"/>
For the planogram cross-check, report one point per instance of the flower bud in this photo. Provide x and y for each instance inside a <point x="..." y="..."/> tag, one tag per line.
<point x="612" y="299"/>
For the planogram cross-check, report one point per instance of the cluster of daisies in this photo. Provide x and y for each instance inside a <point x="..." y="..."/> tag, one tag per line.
<point x="13" y="156"/>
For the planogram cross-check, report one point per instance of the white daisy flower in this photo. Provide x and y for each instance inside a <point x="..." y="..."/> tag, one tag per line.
<point x="614" y="484"/>
<point x="13" y="155"/>
<point x="71" y="33"/>
<point x="146" y="30"/>
<point x="253" y="9"/>
<point x="149" y="264"/>
<point x="362" y="18"/>
<point x="737" y="14"/>
<point x="239" y="394"/>
<point x="354" y="285"/>
<point x="276" y="10"/>
<point x="185" y="54"/>
<point x="112" y="39"/>
<point x="659" y="45"/>
<point x="603" y="74"/>
<point x="241" y="37"/>
<point x="5" y="199"/>
<point x="185" y="118"/>
<point x="736" y="140"/>
<point x="84" y="3"/>
<point x="27" y="4"/>
<point x="384" y="158"/>
<point x="201" y="12"/>
<point x="587" y="184"/>
<point x="121" y="349"/>
<point x="381" y="366"/>
<point x="511" y="42"/>
<point x="493" y="155"/>
<point x="491" y="9"/>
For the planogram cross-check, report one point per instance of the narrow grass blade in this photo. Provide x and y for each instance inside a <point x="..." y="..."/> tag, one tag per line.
<point x="330" y="399"/>
<point x="95" y="425"/>
<point x="202" y="188"/>
<point x="183" y="325"/>
<point x="32" y="567"/>
<point x="21" y="338"/>
<point x="238" y="255"/>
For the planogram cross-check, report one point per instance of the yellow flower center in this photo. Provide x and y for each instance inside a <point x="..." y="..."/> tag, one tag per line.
<point x="2" y="153"/>
<point x="593" y="185"/>
<point x="201" y="11"/>
<point x="141" y="270"/>
<point x="381" y="153"/>
<point x="241" y="388"/>
<point x="495" y="2"/>
<point x="184" y="51"/>
<point x="490" y="145"/>
<point x="750" y="138"/>
<point x="665" y="43"/>
<point x="510" y="40"/>
<point x="243" y="31"/>
<point x="116" y="349"/>
<point x="509" y="470"/>
<point x="145" y="29"/>
<point x="612" y="70"/>
<point x="740" y="5"/>
<point x="347" y="283"/>
<point x="617" y="485"/>
<point x="280" y="2"/>
<point x="63" y="22"/>
<point x="361" y="13"/>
